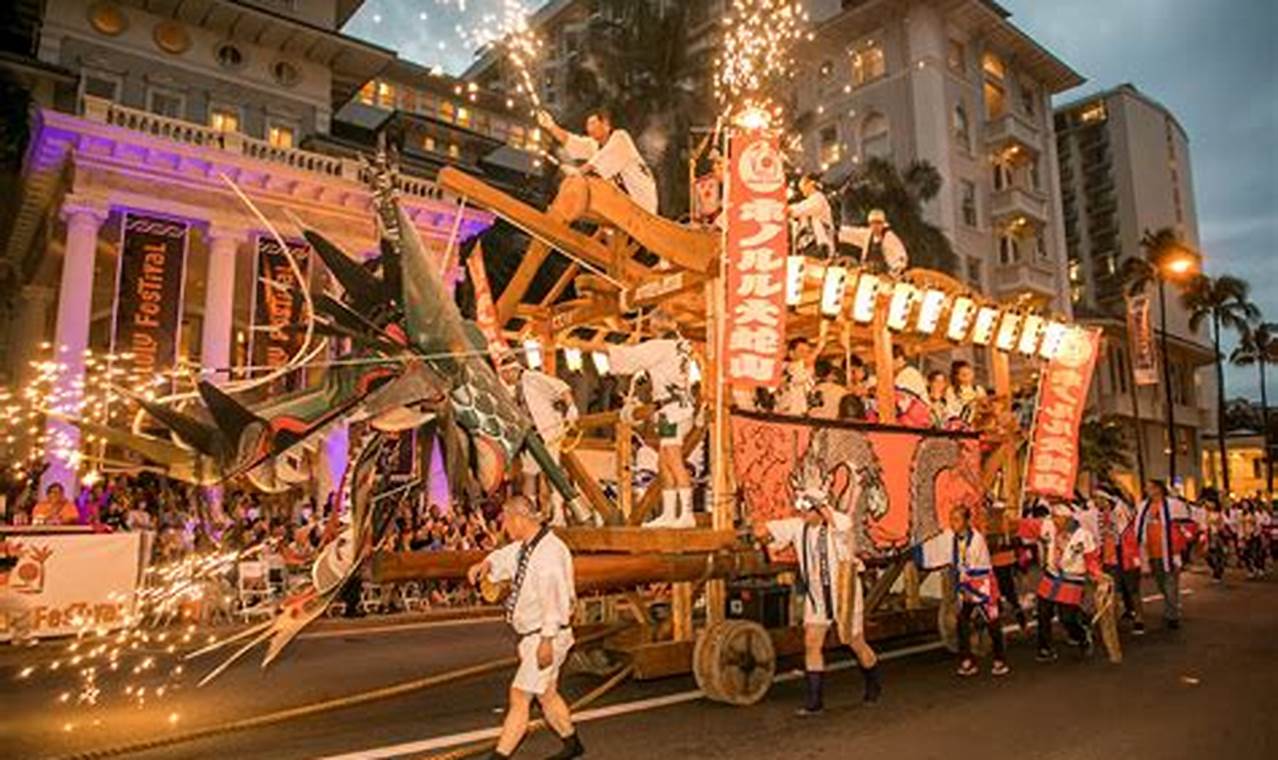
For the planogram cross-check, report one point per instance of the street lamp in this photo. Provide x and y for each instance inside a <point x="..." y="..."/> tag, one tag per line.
<point x="1174" y="262"/>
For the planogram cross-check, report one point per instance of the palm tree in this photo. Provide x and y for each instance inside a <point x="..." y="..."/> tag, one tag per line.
<point x="1259" y="346"/>
<point x="1163" y="255"/>
<point x="1102" y="448"/>
<point x="878" y="183"/>
<point x="1223" y="300"/>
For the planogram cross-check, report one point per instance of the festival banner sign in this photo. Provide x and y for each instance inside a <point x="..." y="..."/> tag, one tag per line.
<point x="898" y="484"/>
<point x="757" y="246"/>
<point x="485" y="311"/>
<point x="148" y="294"/>
<point x="63" y="583"/>
<point x="277" y="304"/>
<point x="1140" y="334"/>
<point x="1062" y="396"/>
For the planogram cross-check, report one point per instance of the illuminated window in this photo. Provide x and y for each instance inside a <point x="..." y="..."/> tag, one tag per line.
<point x="447" y="110"/>
<point x="995" y="100"/>
<point x="368" y="93"/>
<point x="1093" y="113"/>
<point x="386" y="95"/>
<point x="992" y="65"/>
<point x="428" y="143"/>
<point x="875" y="137"/>
<point x="867" y="65"/>
<point x="454" y="151"/>
<point x="463" y="116"/>
<point x="224" y="119"/>
<point x="280" y="135"/>
<point x="516" y="135"/>
<point x="1075" y="271"/>
<point x="1076" y="292"/>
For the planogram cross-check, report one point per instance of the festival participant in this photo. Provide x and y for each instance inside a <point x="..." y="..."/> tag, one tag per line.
<point x="1120" y="553"/>
<point x="1217" y="539"/>
<point x="548" y="400"/>
<point x="814" y="218"/>
<point x="820" y="536"/>
<point x="666" y="359"/>
<point x="799" y="381"/>
<point x="911" y="392"/>
<point x="609" y="153"/>
<point x="1159" y="530"/>
<point x="937" y="388"/>
<point x="881" y="249"/>
<point x="55" y="509"/>
<point x="962" y="548"/>
<point x="964" y="394"/>
<point x="1070" y="556"/>
<point x="1251" y="542"/>
<point x="858" y="402"/>
<point x="539" y="609"/>
<point x="829" y="391"/>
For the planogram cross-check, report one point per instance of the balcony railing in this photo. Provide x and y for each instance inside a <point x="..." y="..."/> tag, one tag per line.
<point x="1012" y="128"/>
<point x="1013" y="202"/>
<point x="104" y="111"/>
<point x="1035" y="276"/>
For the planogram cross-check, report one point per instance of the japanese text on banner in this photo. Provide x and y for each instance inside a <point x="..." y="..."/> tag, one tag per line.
<point x="758" y="242"/>
<point x="1062" y="396"/>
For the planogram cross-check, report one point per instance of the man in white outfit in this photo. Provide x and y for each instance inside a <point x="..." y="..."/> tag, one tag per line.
<point x="548" y="400"/>
<point x="815" y="219"/>
<point x="539" y="609"/>
<point x="608" y="153"/>
<point x="881" y="250"/>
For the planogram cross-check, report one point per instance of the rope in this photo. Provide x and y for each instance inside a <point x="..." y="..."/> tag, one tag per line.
<point x="303" y="711"/>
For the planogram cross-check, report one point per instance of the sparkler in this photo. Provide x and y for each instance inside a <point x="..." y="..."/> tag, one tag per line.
<point x="756" y="60"/>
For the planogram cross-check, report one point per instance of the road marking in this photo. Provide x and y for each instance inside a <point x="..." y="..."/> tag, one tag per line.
<point x="640" y="705"/>
<point x="425" y="624"/>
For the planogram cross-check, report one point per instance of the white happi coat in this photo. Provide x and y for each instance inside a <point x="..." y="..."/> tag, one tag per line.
<point x="543" y="602"/>
<point x="810" y="549"/>
<point x="617" y="159"/>
<point x="800" y="379"/>
<point x="666" y="360"/>
<point x="1173" y="511"/>
<point x="969" y="556"/>
<point x="893" y="249"/>
<point x="815" y="213"/>
<point x="540" y="392"/>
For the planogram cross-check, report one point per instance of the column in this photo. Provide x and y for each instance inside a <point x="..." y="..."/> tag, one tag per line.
<point x="28" y="331"/>
<point x="219" y="302"/>
<point x="71" y="337"/>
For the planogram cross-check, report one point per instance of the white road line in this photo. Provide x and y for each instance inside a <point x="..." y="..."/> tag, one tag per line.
<point x="344" y="632"/>
<point x="626" y="708"/>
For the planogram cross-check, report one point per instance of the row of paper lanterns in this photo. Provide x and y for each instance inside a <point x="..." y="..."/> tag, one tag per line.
<point x="921" y="309"/>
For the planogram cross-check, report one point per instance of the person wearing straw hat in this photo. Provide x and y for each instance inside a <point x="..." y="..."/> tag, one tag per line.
<point x="539" y="608"/>
<point x="549" y="402"/>
<point x="881" y="248"/>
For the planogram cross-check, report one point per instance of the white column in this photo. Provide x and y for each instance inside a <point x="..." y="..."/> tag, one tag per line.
<point x="28" y="331"/>
<point x="926" y="45"/>
<point x="71" y="336"/>
<point x="219" y="301"/>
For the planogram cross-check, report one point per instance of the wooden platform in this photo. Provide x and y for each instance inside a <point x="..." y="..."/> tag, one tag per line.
<point x="636" y="540"/>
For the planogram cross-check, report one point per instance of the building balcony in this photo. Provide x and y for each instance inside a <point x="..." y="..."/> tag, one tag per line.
<point x="1012" y="130"/>
<point x="1036" y="278"/>
<point x="1013" y="203"/>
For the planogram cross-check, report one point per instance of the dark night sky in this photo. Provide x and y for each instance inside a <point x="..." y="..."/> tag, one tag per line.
<point x="1213" y="63"/>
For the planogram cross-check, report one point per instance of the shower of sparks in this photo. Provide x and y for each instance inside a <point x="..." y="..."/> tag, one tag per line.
<point x="756" y="61"/>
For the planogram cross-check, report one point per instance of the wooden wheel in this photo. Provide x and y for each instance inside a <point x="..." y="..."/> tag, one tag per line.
<point x="734" y="662"/>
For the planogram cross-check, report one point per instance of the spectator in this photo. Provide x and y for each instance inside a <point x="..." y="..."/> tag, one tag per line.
<point x="829" y="392"/>
<point x="55" y="509"/>
<point x="937" y="392"/>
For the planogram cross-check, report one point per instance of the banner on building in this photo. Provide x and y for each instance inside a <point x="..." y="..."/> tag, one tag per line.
<point x="1062" y="396"/>
<point x="64" y="583"/>
<point x="277" y="305"/>
<point x="485" y="310"/>
<point x="148" y="293"/>
<point x="1140" y="334"/>
<point x="897" y="484"/>
<point x="757" y="245"/>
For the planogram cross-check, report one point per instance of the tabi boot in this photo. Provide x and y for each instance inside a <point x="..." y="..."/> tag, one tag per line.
<point x="873" y="686"/>
<point x="669" y="510"/>
<point x="685" y="518"/>
<point x="815" y="703"/>
<point x="572" y="748"/>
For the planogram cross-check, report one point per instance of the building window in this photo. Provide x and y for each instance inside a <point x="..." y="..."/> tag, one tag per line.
<point x="830" y="153"/>
<point x="224" y="119"/>
<point x="1009" y="249"/>
<point x="995" y="100"/>
<point x="1075" y="270"/>
<point x="993" y="67"/>
<point x="454" y="151"/>
<point x="1029" y="98"/>
<point x="447" y="110"/>
<point x="962" y="128"/>
<point x="956" y="57"/>
<point x="974" y="274"/>
<point x="100" y="85"/>
<point x="229" y="56"/>
<point x="385" y="95"/>
<point x="428" y="143"/>
<point x="1093" y="113"/>
<point x="868" y="64"/>
<point x="1040" y="246"/>
<point x="166" y="102"/>
<point x="968" y="202"/>
<point x="280" y="134"/>
<point x="1035" y="172"/>
<point x="285" y="73"/>
<point x="1002" y="176"/>
<point x="463" y="116"/>
<point x="876" y="138"/>
<point x="516" y="135"/>
<point x="1076" y="293"/>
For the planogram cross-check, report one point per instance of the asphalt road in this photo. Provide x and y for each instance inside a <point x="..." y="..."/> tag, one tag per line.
<point x="1208" y="690"/>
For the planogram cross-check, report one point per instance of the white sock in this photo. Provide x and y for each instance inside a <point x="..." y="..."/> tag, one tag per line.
<point x="685" y="498"/>
<point x="669" y="507"/>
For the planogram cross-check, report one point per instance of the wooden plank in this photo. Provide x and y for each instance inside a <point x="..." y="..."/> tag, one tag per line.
<point x="561" y="284"/>
<point x="589" y="488"/>
<point x="534" y="256"/>
<point x="661" y="659"/>
<point x="691" y="248"/>
<point x="681" y="611"/>
<point x="633" y="540"/>
<point x="537" y="223"/>
<point x="883" y="584"/>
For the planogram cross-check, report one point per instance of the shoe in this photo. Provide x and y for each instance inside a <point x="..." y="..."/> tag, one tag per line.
<point x="873" y="686"/>
<point x="967" y="668"/>
<point x="809" y="712"/>
<point x="1138" y="628"/>
<point x="1086" y="646"/>
<point x="1046" y="655"/>
<point x="660" y="521"/>
<point x="572" y="748"/>
<point x="683" y="521"/>
<point x="1173" y="625"/>
<point x="1000" y="668"/>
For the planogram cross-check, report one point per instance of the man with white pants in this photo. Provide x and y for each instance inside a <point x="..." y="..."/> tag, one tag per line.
<point x="539" y="609"/>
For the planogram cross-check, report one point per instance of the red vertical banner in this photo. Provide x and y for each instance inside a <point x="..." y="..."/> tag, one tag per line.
<point x="1140" y="335"/>
<point x="1062" y="396"/>
<point x="757" y="245"/>
<point x="277" y="305"/>
<point x="485" y="310"/>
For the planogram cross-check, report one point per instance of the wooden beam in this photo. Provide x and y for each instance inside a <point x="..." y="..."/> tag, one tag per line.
<point x="687" y="247"/>
<point x="883" y="584"/>
<point x="561" y="284"/>
<point x="534" y="256"/>
<point x="631" y="540"/>
<point x="590" y="489"/>
<point x="885" y="390"/>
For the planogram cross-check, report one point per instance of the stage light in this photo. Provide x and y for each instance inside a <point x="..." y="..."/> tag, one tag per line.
<point x="1007" y="331"/>
<point x="867" y="294"/>
<point x="930" y="311"/>
<point x="532" y="353"/>
<point x="832" y="289"/>
<point x="903" y="295"/>
<point x="600" y="359"/>
<point x="1031" y="331"/>
<point x="793" y="280"/>
<point x="960" y="318"/>
<point x="572" y="358"/>
<point x="1053" y="336"/>
<point x="983" y="329"/>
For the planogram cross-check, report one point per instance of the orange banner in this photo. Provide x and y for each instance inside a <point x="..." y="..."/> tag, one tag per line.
<point x="758" y="242"/>
<point x="1062" y="396"/>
